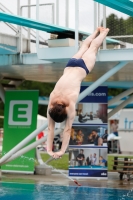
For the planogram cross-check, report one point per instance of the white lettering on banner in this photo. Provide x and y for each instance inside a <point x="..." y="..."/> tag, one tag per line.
<point x="103" y="174"/>
<point x="20" y="112"/>
<point x="24" y="166"/>
<point x="126" y="120"/>
<point x="97" y="94"/>
<point x="79" y="174"/>
<point x="128" y="123"/>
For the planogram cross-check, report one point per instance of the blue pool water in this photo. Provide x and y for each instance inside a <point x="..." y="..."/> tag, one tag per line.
<point x="15" y="191"/>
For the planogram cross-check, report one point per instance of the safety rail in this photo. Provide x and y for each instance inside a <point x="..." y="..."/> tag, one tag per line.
<point x="39" y="40"/>
<point x="18" y="30"/>
<point x="111" y="42"/>
<point x="29" y="30"/>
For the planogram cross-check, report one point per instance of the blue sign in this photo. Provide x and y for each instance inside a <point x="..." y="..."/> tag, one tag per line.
<point x="88" y="173"/>
<point x="99" y="95"/>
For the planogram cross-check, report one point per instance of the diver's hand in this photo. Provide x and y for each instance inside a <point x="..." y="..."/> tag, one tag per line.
<point x="51" y="153"/>
<point x="58" y="154"/>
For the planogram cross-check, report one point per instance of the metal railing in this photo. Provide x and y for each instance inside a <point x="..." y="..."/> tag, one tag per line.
<point x="4" y="9"/>
<point x="31" y="32"/>
<point x="123" y="41"/>
<point x="66" y="21"/>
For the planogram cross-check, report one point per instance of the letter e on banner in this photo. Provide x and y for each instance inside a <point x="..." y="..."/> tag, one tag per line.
<point x="20" y="112"/>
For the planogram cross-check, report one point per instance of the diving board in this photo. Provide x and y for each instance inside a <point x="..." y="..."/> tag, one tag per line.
<point x="124" y="6"/>
<point x="62" y="32"/>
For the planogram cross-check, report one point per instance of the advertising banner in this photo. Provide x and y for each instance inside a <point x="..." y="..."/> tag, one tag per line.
<point x="87" y="162"/>
<point x="88" y="142"/>
<point x="20" y="119"/>
<point x="125" y="130"/>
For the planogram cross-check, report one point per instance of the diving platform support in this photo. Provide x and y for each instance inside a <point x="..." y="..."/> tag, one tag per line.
<point x="24" y="142"/>
<point x="44" y="126"/>
<point x="122" y="105"/>
<point x="101" y="80"/>
<point x="30" y="146"/>
<point x="120" y="96"/>
<point x="2" y="93"/>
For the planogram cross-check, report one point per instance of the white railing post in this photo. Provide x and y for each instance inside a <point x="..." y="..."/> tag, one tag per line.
<point x="99" y="14"/>
<point x="67" y="13"/>
<point x="2" y="93"/>
<point x="95" y="15"/>
<point x="57" y="12"/>
<point x="104" y="25"/>
<point x="29" y="16"/>
<point x="18" y="29"/>
<point x="76" y="24"/>
<point x="37" y="31"/>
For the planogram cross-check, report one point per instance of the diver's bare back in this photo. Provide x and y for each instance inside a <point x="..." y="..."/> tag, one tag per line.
<point x="68" y="86"/>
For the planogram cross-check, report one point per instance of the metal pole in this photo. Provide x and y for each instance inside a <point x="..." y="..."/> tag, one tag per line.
<point x="38" y="156"/>
<point x="108" y="126"/>
<point x="0" y="174"/>
<point x="98" y="14"/>
<point x="53" y="14"/>
<point x="104" y="25"/>
<point x="122" y="105"/>
<point x="37" y="32"/>
<point x="18" y="29"/>
<point x="29" y="147"/>
<point x="67" y="13"/>
<point x="21" y="40"/>
<point x="43" y="102"/>
<point x="29" y="16"/>
<point x="57" y="12"/>
<point x="2" y="93"/>
<point x="18" y="12"/>
<point x="95" y="15"/>
<point x="76" y="24"/>
<point x="121" y="36"/>
<point x="7" y="8"/>
<point x="23" y="142"/>
<point x="118" y="97"/>
<point x="101" y="80"/>
<point x="41" y="4"/>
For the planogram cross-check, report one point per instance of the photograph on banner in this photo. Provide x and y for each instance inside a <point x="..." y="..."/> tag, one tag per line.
<point x="89" y="162"/>
<point x="91" y="113"/>
<point x="92" y="135"/>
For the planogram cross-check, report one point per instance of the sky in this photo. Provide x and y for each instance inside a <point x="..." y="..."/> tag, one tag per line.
<point x="86" y="13"/>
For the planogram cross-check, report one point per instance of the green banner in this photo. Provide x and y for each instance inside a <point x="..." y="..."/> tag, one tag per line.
<point x="20" y="119"/>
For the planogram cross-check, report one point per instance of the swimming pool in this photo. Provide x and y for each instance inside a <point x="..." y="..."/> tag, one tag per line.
<point x="15" y="191"/>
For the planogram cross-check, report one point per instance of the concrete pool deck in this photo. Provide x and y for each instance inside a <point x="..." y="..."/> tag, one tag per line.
<point x="58" y="179"/>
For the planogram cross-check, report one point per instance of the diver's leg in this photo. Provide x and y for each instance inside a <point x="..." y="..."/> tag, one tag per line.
<point x="89" y="56"/>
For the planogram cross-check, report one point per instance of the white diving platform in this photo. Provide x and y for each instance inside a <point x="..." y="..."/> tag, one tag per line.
<point x="47" y="64"/>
